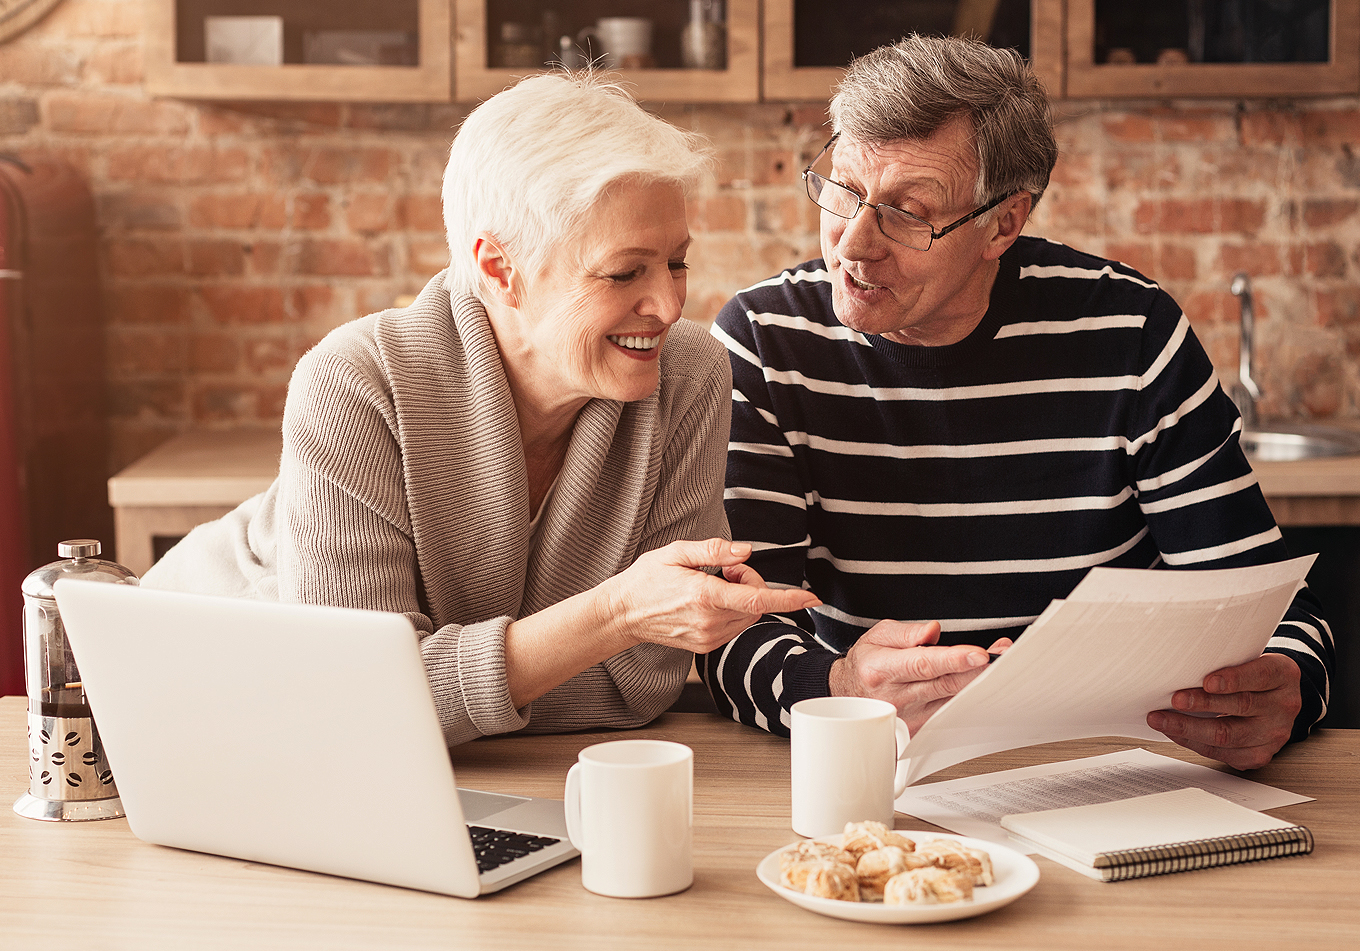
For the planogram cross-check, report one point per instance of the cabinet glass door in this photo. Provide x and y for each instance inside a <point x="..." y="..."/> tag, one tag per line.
<point x="809" y="42"/>
<point x="358" y="50"/>
<point x="1212" y="47"/>
<point x="664" y="50"/>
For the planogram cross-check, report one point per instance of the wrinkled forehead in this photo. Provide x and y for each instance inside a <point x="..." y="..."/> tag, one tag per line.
<point x="943" y="165"/>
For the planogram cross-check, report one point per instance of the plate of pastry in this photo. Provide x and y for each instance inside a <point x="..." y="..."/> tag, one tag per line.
<point x="873" y="873"/>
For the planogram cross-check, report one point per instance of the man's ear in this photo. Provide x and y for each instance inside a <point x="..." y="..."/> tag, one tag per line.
<point x="1010" y="219"/>
<point x="497" y="271"/>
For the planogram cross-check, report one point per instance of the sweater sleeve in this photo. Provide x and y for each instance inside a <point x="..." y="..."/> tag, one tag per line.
<point x="345" y="538"/>
<point x="1202" y="502"/>
<point x="757" y="676"/>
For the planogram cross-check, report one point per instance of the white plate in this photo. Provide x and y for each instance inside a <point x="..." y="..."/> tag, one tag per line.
<point x="1015" y="874"/>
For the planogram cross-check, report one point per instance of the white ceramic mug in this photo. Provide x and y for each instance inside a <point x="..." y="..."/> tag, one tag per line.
<point x="846" y="763"/>
<point x="621" y="40"/>
<point x="630" y="811"/>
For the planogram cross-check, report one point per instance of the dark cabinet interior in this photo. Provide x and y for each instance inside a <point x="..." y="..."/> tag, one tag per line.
<point x="832" y="34"/>
<point x="1212" y="31"/>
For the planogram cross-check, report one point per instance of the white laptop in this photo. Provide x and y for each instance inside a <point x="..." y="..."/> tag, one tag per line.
<point x="291" y="735"/>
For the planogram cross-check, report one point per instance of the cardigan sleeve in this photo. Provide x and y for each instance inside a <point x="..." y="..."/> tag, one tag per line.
<point x="345" y="538"/>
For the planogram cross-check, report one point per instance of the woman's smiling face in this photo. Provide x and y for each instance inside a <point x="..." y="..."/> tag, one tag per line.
<point x="591" y="320"/>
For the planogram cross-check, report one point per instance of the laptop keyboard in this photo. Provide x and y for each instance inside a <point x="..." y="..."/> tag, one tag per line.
<point x="496" y="847"/>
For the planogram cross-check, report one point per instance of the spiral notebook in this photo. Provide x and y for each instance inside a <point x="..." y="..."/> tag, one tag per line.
<point x="1174" y="831"/>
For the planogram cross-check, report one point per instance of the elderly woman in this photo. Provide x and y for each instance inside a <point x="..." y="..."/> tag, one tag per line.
<point x="528" y="460"/>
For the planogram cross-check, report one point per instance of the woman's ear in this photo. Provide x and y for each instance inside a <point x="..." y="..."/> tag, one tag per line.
<point x="497" y="271"/>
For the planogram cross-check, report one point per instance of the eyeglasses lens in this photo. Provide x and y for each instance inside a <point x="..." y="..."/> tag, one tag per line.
<point x="895" y="224"/>
<point x="903" y="228"/>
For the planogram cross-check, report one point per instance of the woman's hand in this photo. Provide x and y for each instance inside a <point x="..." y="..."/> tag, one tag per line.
<point x="666" y="598"/>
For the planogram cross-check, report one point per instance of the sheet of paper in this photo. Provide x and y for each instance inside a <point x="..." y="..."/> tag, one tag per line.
<point x="1096" y="663"/>
<point x="974" y="806"/>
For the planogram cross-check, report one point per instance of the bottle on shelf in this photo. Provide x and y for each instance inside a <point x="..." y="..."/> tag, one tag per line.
<point x="703" y="41"/>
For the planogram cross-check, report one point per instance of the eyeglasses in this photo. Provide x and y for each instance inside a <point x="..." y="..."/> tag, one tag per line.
<point x="897" y="225"/>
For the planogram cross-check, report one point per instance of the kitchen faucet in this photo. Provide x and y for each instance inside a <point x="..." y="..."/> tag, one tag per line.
<point x="1245" y="392"/>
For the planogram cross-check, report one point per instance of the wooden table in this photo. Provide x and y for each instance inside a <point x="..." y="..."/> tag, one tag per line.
<point x="192" y="478"/>
<point x="84" y="885"/>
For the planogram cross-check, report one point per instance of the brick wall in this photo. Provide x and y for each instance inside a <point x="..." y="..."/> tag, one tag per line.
<point x="233" y="236"/>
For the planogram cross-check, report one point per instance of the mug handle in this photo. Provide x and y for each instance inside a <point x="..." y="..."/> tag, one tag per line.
<point x="572" y="806"/>
<point x="900" y="776"/>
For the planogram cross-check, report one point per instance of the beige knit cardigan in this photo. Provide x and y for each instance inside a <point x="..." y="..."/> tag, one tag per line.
<point x="402" y="487"/>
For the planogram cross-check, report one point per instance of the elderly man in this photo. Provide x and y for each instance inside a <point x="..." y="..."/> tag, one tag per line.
<point x="941" y="425"/>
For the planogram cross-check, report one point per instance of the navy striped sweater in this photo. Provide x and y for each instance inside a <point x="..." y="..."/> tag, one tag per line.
<point x="1080" y="424"/>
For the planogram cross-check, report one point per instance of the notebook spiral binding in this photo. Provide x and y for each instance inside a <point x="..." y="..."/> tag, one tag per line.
<point x="1205" y="853"/>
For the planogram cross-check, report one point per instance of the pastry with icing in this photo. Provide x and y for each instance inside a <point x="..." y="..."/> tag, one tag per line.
<point x="929" y="885"/>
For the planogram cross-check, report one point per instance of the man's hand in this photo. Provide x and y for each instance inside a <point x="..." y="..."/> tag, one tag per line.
<point x="1250" y="712"/>
<point x="901" y="663"/>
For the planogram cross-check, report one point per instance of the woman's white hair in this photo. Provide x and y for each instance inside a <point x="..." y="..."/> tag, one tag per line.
<point x="529" y="164"/>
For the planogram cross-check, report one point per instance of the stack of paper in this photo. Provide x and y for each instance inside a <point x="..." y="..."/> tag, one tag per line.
<point x="1097" y="663"/>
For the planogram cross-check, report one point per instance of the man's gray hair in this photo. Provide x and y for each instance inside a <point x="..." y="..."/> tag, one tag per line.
<point x="910" y="89"/>
<point x="529" y="164"/>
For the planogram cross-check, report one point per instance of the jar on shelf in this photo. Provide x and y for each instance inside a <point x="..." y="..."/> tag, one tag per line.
<point x="703" y="41"/>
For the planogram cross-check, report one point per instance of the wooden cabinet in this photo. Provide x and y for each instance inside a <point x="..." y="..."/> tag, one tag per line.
<point x="352" y="58"/>
<point x="777" y="50"/>
<point x="476" y="77"/>
<point x="784" y="77"/>
<point x="1169" y="50"/>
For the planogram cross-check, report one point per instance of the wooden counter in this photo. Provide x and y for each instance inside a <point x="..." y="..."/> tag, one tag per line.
<point x="201" y="475"/>
<point x="193" y="478"/>
<point x="1312" y="491"/>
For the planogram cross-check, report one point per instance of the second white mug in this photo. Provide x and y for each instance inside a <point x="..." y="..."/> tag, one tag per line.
<point x="630" y="811"/>
<point x="846" y="763"/>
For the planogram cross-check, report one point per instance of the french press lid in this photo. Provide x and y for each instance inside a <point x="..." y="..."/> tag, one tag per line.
<point x="78" y="561"/>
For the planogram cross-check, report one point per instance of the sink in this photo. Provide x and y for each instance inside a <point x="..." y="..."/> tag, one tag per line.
<point x="1296" y="441"/>
<point x="1281" y="441"/>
